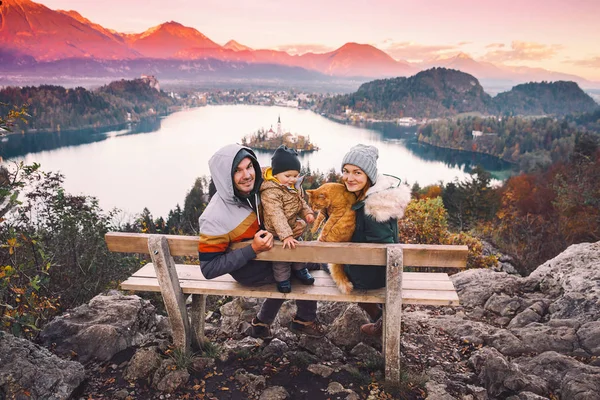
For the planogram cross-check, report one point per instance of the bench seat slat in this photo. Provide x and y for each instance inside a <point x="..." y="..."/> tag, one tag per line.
<point x="411" y="280"/>
<point x="416" y="287"/>
<point x="300" y="292"/>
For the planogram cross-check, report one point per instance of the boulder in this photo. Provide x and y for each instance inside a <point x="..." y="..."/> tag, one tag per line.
<point x="28" y="368"/>
<point x="101" y="328"/>
<point x="143" y="364"/>
<point x="345" y="330"/>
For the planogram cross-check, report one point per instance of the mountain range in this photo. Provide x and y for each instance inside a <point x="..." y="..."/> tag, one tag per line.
<point x="36" y="39"/>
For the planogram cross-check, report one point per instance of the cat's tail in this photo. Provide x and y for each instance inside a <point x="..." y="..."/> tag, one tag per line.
<point x="340" y="278"/>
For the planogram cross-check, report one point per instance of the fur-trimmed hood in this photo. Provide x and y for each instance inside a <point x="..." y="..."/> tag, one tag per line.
<point x="387" y="198"/>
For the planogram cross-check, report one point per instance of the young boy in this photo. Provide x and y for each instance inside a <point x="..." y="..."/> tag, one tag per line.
<point x="283" y="208"/>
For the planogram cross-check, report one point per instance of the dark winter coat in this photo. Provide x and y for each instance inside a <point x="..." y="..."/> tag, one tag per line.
<point x="377" y="222"/>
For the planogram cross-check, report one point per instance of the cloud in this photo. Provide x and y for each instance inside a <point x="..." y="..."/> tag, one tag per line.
<point x="417" y="52"/>
<point x="495" y="45"/>
<point x="302" y="48"/>
<point x="521" y="51"/>
<point x="593" y="62"/>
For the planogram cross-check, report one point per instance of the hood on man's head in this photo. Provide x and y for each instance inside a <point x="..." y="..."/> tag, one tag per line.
<point x="222" y="165"/>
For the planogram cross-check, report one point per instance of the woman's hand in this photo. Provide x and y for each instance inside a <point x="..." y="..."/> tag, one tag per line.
<point x="310" y="218"/>
<point x="290" y="242"/>
<point x="263" y="241"/>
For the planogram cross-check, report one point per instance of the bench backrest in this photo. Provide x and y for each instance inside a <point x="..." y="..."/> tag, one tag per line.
<point x="414" y="255"/>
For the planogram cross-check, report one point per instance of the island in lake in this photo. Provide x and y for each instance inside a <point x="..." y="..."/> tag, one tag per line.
<point x="270" y="140"/>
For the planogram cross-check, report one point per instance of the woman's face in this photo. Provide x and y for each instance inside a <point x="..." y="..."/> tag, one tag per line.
<point x="354" y="178"/>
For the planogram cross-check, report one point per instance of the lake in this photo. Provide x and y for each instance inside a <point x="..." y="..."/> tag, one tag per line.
<point x="155" y="163"/>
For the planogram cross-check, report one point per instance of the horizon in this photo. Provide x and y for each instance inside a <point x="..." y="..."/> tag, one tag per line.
<point x="551" y="34"/>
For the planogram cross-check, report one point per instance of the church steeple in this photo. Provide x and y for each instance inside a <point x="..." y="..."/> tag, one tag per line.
<point x="279" y="132"/>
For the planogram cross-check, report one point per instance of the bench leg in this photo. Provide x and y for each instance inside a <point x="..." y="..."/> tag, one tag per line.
<point x="198" y="314"/>
<point x="393" y="315"/>
<point x="171" y="291"/>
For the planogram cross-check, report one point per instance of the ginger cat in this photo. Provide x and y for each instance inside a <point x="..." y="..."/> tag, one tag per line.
<point x="334" y="203"/>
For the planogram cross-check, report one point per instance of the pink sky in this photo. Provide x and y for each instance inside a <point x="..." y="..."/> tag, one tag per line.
<point x="557" y="35"/>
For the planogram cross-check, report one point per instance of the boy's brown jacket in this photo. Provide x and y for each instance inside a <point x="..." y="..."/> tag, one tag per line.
<point x="282" y="208"/>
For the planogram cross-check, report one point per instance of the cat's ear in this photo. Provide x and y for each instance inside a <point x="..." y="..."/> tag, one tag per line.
<point x="309" y="191"/>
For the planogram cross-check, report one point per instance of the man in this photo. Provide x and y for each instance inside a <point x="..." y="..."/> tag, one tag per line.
<point x="232" y="215"/>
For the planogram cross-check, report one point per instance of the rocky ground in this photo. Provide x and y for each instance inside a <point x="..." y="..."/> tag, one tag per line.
<point x="513" y="338"/>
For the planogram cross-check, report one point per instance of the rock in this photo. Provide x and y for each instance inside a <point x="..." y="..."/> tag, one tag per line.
<point x="589" y="337"/>
<point x="352" y="395"/>
<point x="345" y="330"/>
<point x="327" y="312"/>
<point x="503" y="304"/>
<point x="571" y="278"/>
<point x="526" y="396"/>
<point x="121" y="394"/>
<point x="143" y="364"/>
<point x="367" y="354"/>
<point x="275" y="393"/>
<point x="275" y="348"/>
<point x="540" y="338"/>
<point x="167" y="378"/>
<point x="254" y="384"/>
<point x="235" y="312"/>
<point x="25" y="366"/>
<point x="437" y="391"/>
<point x="246" y="344"/>
<point x="476" y="286"/>
<point x="335" y="387"/>
<point x="102" y="328"/>
<point x="200" y="364"/>
<point x="322" y="348"/>
<point x="500" y="377"/>
<point x="573" y="379"/>
<point x="321" y="370"/>
<point x="524" y="318"/>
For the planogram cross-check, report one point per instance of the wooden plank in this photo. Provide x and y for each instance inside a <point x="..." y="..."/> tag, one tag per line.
<point x="197" y="316"/>
<point x="415" y="255"/>
<point x="430" y="297"/>
<point x="322" y="278"/>
<point x="392" y="316"/>
<point x="168" y="282"/>
<point x="191" y="270"/>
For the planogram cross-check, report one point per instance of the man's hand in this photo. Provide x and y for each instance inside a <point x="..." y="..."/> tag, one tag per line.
<point x="310" y="218"/>
<point x="290" y="242"/>
<point x="263" y="241"/>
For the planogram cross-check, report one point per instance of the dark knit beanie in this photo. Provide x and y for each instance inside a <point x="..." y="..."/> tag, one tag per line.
<point x="364" y="157"/>
<point x="285" y="159"/>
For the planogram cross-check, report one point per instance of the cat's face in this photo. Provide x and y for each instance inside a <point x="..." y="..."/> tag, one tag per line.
<point x="318" y="198"/>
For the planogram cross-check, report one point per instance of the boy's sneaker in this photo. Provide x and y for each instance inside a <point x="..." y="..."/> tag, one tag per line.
<point x="284" y="286"/>
<point x="304" y="276"/>
<point x="260" y="330"/>
<point x="308" y="328"/>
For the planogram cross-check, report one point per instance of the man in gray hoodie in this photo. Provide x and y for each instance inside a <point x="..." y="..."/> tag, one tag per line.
<point x="233" y="215"/>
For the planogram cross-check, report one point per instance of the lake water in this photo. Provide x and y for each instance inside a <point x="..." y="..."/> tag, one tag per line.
<point x="155" y="163"/>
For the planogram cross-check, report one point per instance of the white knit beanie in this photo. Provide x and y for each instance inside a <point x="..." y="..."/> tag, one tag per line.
<point x="364" y="157"/>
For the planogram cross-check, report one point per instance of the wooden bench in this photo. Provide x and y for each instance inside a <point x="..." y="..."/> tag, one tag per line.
<point x="175" y="280"/>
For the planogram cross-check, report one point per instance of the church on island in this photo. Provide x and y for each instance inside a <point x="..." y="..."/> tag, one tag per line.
<point x="270" y="140"/>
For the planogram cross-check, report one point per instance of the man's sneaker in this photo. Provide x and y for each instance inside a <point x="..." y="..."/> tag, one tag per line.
<point x="260" y="330"/>
<point x="373" y="329"/>
<point x="284" y="286"/>
<point x="304" y="276"/>
<point x="308" y="328"/>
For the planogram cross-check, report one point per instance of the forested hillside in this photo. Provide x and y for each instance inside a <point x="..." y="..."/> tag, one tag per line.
<point x="540" y="98"/>
<point x="441" y="92"/>
<point x="55" y="108"/>
<point x="437" y="92"/>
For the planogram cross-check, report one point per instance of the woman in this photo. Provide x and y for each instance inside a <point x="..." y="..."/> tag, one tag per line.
<point x="381" y="200"/>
